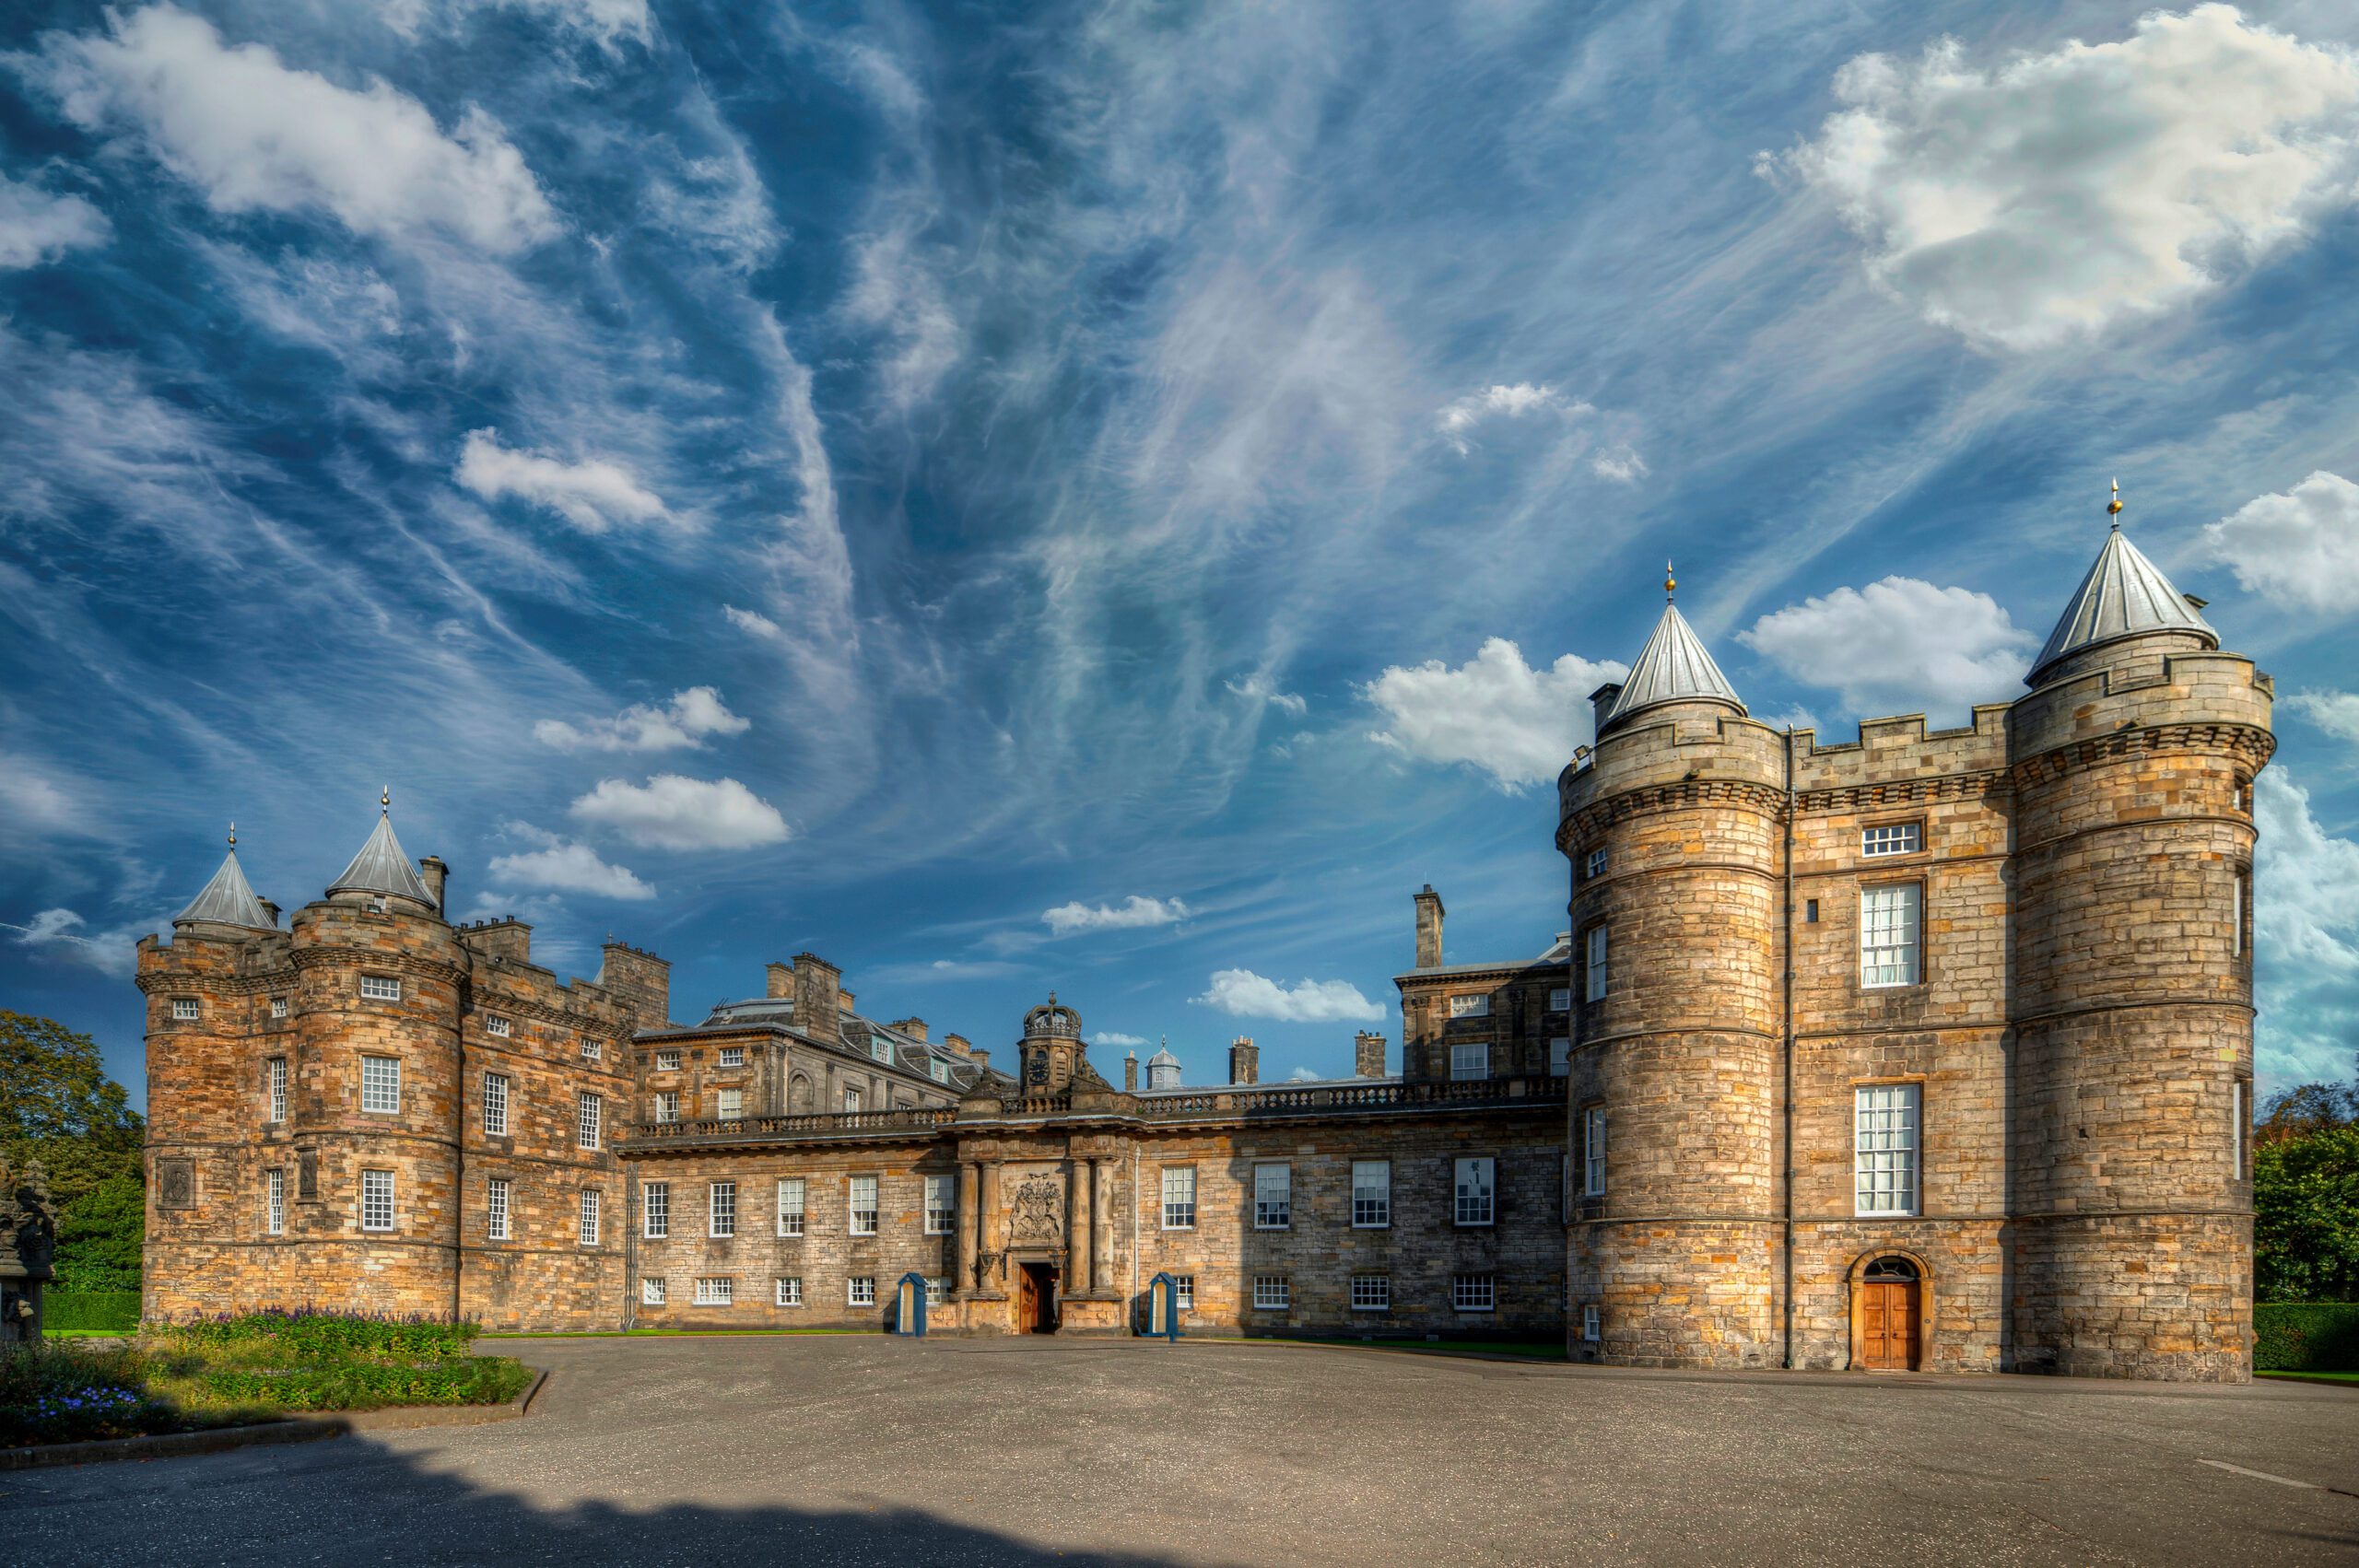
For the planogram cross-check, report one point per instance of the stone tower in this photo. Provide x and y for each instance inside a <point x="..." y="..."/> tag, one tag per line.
<point x="2131" y="764"/>
<point x="1051" y="1050"/>
<point x="1672" y="828"/>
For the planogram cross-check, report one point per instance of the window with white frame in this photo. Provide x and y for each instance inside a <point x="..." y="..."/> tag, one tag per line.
<point x="655" y="1210"/>
<point x="860" y="1290"/>
<point x="650" y="1291"/>
<point x="716" y="1290"/>
<point x="667" y="1061"/>
<point x="1560" y="999"/>
<point x="186" y="1009"/>
<point x="1371" y="1292"/>
<point x="497" y="1027"/>
<point x="729" y="1104"/>
<point x="938" y="1068"/>
<point x="2237" y="916"/>
<point x="851" y="1097"/>
<point x="937" y="1289"/>
<point x="1473" y="1292"/>
<point x="788" y="1291"/>
<point x="1470" y="1060"/>
<point x="861" y="1206"/>
<point x="497" y="1204"/>
<point x="1183" y="1292"/>
<point x="1892" y="838"/>
<point x="1469" y="1006"/>
<point x="380" y="1085"/>
<point x="1889" y="920"/>
<point x="376" y="1200"/>
<point x="1476" y="1189"/>
<point x="380" y="987"/>
<point x="2237" y="1119"/>
<point x="495" y="1104"/>
<point x="880" y="1048"/>
<point x="278" y="1007"/>
<point x="1273" y="1196"/>
<point x="277" y="1083"/>
<point x="1270" y="1293"/>
<point x="1884" y="1147"/>
<point x="667" y="1105"/>
<point x="1560" y="1058"/>
<point x="733" y="1056"/>
<point x="1594" y="969"/>
<point x="593" y="1203"/>
<point x="720" y="1209"/>
<point x="1593" y="1151"/>
<point x="1372" y="1194"/>
<point x="1179" y="1198"/>
<point x="1589" y="1321"/>
<point x="591" y="1050"/>
<point x="790" y="1206"/>
<point x="1597" y="862"/>
<point x="941" y="1205"/>
<point x="273" y="1202"/>
<point x="590" y="1122"/>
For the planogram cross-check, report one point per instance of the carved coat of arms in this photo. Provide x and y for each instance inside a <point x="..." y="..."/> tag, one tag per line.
<point x="1039" y="1210"/>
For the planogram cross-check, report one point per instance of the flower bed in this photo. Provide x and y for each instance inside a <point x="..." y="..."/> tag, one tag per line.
<point x="258" y="1366"/>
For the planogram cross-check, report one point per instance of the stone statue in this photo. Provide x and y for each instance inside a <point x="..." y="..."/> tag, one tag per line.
<point x="27" y="1238"/>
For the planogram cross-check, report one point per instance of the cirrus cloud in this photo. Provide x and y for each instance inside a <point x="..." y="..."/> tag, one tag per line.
<point x="1494" y="713"/>
<point x="593" y="494"/>
<point x="684" y="721"/>
<point x="1241" y="993"/>
<point x="1131" y="914"/>
<point x="670" y="811"/>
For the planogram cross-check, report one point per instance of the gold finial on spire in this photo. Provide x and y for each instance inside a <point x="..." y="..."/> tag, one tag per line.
<point x="385" y="799"/>
<point x="1669" y="583"/>
<point x="2113" y="508"/>
<point x="234" y="836"/>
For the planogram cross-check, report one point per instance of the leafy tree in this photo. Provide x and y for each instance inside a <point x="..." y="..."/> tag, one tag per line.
<point x="2307" y="1108"/>
<point x="58" y="1105"/>
<point x="2306" y="1217"/>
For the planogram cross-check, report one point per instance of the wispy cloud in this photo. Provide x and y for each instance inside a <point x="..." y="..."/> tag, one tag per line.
<point x="686" y="720"/>
<point x="594" y="494"/>
<point x="63" y="935"/>
<point x="1259" y="688"/>
<point x="1133" y="913"/>
<point x="38" y="227"/>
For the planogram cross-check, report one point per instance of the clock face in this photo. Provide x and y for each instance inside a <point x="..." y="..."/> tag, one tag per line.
<point x="1039" y="1067"/>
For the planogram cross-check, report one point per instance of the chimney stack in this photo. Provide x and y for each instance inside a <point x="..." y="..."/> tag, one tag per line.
<point x="1600" y="702"/>
<point x="982" y="1061"/>
<point x="434" y="873"/>
<point x="1429" y="913"/>
<point x="844" y="998"/>
<point x="1130" y="1072"/>
<point x="271" y="910"/>
<point x="913" y="1027"/>
<point x="641" y="981"/>
<point x="781" y="981"/>
<point x="959" y="1045"/>
<point x="1244" y="1060"/>
<point x="816" y="996"/>
<point x="1368" y="1055"/>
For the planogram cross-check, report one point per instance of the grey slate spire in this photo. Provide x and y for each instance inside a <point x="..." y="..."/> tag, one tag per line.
<point x="380" y="867"/>
<point x="1672" y="667"/>
<point x="228" y="899"/>
<point x="2124" y="595"/>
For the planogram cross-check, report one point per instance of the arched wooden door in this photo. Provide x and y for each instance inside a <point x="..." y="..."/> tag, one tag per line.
<point x="1891" y="1307"/>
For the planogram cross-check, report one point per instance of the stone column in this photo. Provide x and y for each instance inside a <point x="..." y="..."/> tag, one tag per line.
<point x="1101" y="1213"/>
<point x="969" y="1277"/>
<point x="1077" y="1275"/>
<point x="988" y="1181"/>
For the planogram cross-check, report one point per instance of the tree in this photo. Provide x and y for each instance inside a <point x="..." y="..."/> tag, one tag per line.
<point x="2307" y="1108"/>
<point x="2306" y="1217"/>
<point x="58" y="1105"/>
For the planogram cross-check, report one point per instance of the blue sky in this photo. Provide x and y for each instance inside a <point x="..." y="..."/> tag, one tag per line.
<point x="1112" y="497"/>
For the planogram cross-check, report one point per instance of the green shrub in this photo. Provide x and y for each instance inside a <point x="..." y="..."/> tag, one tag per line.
<point x="2305" y="1336"/>
<point x="110" y="1311"/>
<point x="315" y="1334"/>
<point x="489" y="1380"/>
<point x="67" y="1393"/>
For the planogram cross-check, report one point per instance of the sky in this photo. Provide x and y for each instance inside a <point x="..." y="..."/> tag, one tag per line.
<point x="1113" y="499"/>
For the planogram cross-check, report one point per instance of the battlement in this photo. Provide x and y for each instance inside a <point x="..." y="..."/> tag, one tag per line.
<point x="2140" y="692"/>
<point x="1900" y="749"/>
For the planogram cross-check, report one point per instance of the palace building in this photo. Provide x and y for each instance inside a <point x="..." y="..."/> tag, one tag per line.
<point x="1930" y="1049"/>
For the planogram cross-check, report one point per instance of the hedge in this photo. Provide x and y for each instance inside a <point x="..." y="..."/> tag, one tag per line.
<point x="2305" y="1336"/>
<point x="115" y="1311"/>
<point x="313" y="1334"/>
<point x="470" y="1380"/>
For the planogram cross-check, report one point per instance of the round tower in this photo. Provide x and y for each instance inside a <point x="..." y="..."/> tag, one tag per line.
<point x="2132" y="760"/>
<point x="379" y="1087"/>
<point x="1051" y="1050"/>
<point x="1674" y="831"/>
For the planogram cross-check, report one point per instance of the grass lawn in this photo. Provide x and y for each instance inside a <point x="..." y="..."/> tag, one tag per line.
<point x="229" y="1372"/>
<point x="2313" y="1377"/>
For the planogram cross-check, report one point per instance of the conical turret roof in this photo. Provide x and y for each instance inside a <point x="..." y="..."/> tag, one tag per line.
<point x="2123" y="595"/>
<point x="1162" y="1058"/>
<point x="1672" y="667"/>
<point x="228" y="900"/>
<point x="380" y="867"/>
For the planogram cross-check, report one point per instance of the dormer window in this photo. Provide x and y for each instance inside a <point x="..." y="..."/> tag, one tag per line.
<point x="733" y="1056"/>
<point x="880" y="1048"/>
<point x="667" y="1061"/>
<point x="939" y="1069"/>
<point x="1892" y="838"/>
<point x="497" y="1027"/>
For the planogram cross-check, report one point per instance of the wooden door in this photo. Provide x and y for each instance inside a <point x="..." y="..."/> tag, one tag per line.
<point x="1889" y="1324"/>
<point x="1028" y="1306"/>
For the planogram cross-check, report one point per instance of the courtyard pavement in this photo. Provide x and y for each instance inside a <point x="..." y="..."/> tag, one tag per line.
<point x="860" y="1450"/>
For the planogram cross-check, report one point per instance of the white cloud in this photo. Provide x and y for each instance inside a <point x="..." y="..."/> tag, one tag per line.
<point x="258" y="136"/>
<point x="1494" y="712"/>
<point x="1261" y="688"/>
<point x="2306" y="937"/>
<point x="608" y="21"/>
<point x="1897" y="646"/>
<point x="37" y="227"/>
<point x="1133" y="912"/>
<point x="1302" y="1075"/>
<point x="1116" y="1037"/>
<point x="63" y="934"/>
<point x="672" y="812"/>
<point x="1244" y="994"/>
<point x="685" y="720"/>
<point x="2337" y="713"/>
<point x="2299" y="549"/>
<point x="593" y="494"/>
<point x="2053" y="194"/>
<point x="31" y="799"/>
<point x="1458" y="419"/>
<point x="1621" y="462"/>
<point x="568" y="867"/>
<point x="753" y="623"/>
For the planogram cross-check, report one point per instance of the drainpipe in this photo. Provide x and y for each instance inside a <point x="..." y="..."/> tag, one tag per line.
<point x="1788" y="1154"/>
<point x="465" y="990"/>
<point x="1135" y="1235"/>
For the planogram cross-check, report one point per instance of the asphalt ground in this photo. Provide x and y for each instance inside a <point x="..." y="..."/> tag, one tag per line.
<point x="859" y="1450"/>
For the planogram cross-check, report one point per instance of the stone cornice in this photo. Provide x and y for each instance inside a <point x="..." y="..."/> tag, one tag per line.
<point x="2247" y="743"/>
<point x="1973" y="785"/>
<point x="328" y="956"/>
<point x="1686" y="792"/>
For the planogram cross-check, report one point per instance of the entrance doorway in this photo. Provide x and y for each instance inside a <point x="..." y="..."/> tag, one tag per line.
<point x="1036" y="1298"/>
<point x="1890" y="1312"/>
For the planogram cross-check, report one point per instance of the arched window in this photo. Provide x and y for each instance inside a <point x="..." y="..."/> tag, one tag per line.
<point x="1891" y="1269"/>
<point x="798" y="1095"/>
